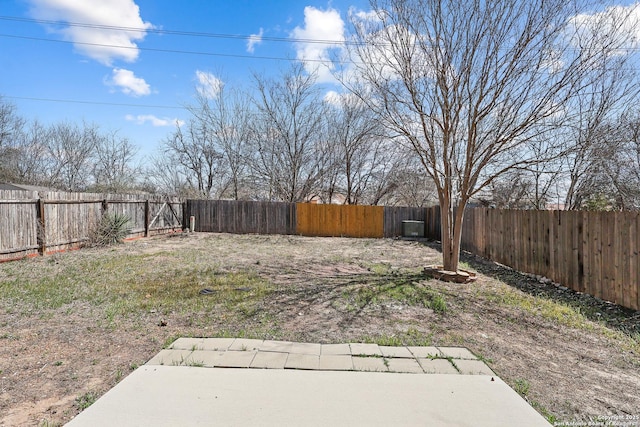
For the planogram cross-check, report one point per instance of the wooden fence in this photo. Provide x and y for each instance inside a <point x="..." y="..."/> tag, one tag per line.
<point x="45" y="222"/>
<point x="394" y="215"/>
<point x="592" y="252"/>
<point x="227" y="216"/>
<point x="340" y="220"/>
<point x="241" y="217"/>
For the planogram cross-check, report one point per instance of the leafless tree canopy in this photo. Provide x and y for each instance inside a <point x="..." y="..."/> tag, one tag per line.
<point x="289" y="128"/>
<point x="283" y="140"/>
<point x="115" y="167"/>
<point x="467" y="85"/>
<point x="10" y="126"/>
<point x="361" y="159"/>
<point x="65" y="155"/>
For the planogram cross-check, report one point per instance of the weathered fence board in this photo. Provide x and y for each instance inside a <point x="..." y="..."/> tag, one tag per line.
<point x="230" y="216"/>
<point x="340" y="220"/>
<point x="32" y="222"/>
<point x="591" y="252"/>
<point x="394" y="215"/>
<point x="18" y="232"/>
<point x="432" y="223"/>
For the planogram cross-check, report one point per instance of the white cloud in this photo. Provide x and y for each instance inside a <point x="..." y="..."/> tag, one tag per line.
<point x="333" y="98"/>
<point x="155" y="121"/>
<point x="254" y="39"/>
<point x="380" y="36"/>
<point x="208" y="85"/>
<point x="320" y="25"/>
<point x="615" y="29"/>
<point x="128" y="83"/>
<point x="341" y="99"/>
<point x="99" y="14"/>
<point x="361" y="15"/>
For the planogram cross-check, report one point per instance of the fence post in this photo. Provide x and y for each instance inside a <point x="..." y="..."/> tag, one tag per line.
<point x="185" y="209"/>
<point x="146" y="218"/>
<point x="41" y="236"/>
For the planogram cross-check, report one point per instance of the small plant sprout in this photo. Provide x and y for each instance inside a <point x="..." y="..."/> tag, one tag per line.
<point x="85" y="400"/>
<point x="522" y="386"/>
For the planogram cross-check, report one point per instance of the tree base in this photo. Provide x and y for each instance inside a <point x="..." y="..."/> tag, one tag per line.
<point x="461" y="276"/>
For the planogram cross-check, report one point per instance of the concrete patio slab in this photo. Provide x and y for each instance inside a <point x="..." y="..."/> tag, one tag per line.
<point x="215" y="344"/>
<point x="277" y="346"/>
<point x="204" y="358"/>
<point x="338" y="349"/>
<point x="473" y="367"/>
<point x="185" y="385"/>
<point x="236" y="359"/>
<point x="302" y="361"/>
<point x="335" y="362"/>
<point x="369" y="364"/>
<point x="187" y="344"/>
<point x="269" y="360"/>
<point x="358" y="349"/>
<point x="410" y="366"/>
<point x="437" y="366"/>
<point x="169" y="357"/>
<point x="305" y="348"/>
<point x="244" y="344"/>
<point x="396" y="352"/>
<point x="457" y="353"/>
<point x="425" y="352"/>
<point x="169" y="396"/>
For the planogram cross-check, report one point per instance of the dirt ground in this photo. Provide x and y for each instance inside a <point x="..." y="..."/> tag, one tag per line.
<point x="526" y="331"/>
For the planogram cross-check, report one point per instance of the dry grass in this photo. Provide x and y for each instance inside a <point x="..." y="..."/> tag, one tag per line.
<point x="74" y="324"/>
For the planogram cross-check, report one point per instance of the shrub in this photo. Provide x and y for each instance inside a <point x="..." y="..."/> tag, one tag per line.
<point x="112" y="229"/>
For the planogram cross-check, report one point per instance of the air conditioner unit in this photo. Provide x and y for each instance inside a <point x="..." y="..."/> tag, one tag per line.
<point x="412" y="228"/>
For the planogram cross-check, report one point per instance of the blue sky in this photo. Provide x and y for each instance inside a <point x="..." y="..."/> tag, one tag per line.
<point x="43" y="57"/>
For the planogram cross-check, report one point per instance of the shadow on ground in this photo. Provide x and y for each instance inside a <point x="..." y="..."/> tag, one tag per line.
<point x="609" y="314"/>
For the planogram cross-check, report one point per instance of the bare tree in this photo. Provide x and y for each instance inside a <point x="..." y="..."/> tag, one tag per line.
<point x="32" y="161"/>
<point x="382" y="182"/>
<point x="611" y="177"/>
<point x="195" y="152"/>
<point x="288" y="131"/>
<point x="599" y="105"/>
<point x="531" y="186"/>
<point x="70" y="151"/>
<point x="628" y="181"/>
<point x="466" y="84"/>
<point x="114" y="169"/>
<point x="10" y="127"/>
<point x="511" y="191"/>
<point x="165" y="175"/>
<point x="228" y="115"/>
<point x="411" y="186"/>
<point x="357" y="147"/>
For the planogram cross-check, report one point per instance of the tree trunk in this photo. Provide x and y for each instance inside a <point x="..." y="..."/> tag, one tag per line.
<point x="451" y="219"/>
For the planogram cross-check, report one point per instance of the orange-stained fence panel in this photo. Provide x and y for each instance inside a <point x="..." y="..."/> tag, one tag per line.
<point x="339" y="220"/>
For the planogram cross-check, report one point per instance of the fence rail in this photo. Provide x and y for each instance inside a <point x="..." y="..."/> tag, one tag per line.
<point x="32" y="222"/>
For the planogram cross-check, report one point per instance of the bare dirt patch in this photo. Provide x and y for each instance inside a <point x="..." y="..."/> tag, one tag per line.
<point x="73" y="325"/>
